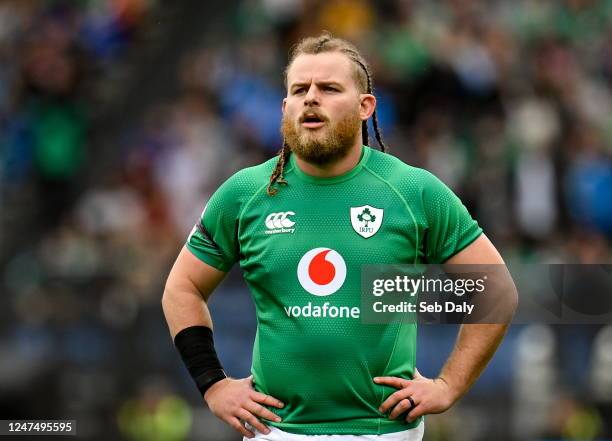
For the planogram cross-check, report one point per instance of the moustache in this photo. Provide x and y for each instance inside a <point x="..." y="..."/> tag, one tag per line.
<point x="312" y="116"/>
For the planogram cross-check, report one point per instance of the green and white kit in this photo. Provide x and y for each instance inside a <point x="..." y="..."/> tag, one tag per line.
<point x="301" y="253"/>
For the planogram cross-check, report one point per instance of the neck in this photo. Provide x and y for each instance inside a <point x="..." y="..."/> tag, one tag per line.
<point x="336" y="168"/>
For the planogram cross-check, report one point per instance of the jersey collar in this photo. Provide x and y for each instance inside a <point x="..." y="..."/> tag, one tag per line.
<point x="365" y="154"/>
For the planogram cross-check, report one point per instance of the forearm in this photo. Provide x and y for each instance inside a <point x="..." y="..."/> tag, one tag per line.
<point x="476" y="344"/>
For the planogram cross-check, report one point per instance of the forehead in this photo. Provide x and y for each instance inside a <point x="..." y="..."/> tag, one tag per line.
<point x="326" y="66"/>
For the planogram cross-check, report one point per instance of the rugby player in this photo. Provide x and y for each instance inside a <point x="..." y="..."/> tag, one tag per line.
<point x="300" y="225"/>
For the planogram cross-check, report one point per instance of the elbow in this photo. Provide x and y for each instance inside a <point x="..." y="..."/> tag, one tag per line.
<point x="511" y="303"/>
<point x="514" y="298"/>
<point x="167" y="296"/>
<point x="165" y="300"/>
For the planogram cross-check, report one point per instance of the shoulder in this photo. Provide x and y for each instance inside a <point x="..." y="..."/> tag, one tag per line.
<point x="232" y="195"/>
<point x="248" y="181"/>
<point x="404" y="177"/>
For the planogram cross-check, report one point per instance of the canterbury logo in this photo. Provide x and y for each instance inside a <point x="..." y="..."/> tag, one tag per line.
<point x="280" y="222"/>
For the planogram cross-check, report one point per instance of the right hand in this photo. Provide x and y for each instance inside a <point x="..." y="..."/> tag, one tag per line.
<point x="233" y="400"/>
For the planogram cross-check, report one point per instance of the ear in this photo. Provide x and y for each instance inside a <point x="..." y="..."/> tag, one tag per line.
<point x="284" y="105"/>
<point x="367" y="104"/>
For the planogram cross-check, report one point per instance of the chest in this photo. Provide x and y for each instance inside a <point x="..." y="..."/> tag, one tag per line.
<point x="362" y="226"/>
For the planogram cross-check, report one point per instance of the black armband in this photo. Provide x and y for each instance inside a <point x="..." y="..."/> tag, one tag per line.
<point x="195" y="344"/>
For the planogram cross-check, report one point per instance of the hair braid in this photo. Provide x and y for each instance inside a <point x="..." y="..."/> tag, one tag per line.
<point x="383" y="147"/>
<point x="364" y="127"/>
<point x="278" y="173"/>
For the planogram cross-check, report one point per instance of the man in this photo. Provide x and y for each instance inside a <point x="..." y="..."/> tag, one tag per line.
<point x="301" y="225"/>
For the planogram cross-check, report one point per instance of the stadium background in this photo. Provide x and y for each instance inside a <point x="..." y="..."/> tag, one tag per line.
<point x="119" y="118"/>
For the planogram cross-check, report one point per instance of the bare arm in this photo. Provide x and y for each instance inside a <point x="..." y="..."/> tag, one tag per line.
<point x="476" y="344"/>
<point x="188" y="288"/>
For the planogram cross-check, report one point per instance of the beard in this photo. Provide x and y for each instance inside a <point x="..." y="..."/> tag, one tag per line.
<point x="324" y="145"/>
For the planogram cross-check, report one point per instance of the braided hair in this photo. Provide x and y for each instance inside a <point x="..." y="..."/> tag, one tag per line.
<point x="316" y="45"/>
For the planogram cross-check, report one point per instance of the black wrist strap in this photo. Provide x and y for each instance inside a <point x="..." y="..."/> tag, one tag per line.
<point x="207" y="379"/>
<point x="196" y="346"/>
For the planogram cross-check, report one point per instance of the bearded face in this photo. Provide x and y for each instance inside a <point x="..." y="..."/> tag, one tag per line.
<point x="324" y="108"/>
<point x="318" y="139"/>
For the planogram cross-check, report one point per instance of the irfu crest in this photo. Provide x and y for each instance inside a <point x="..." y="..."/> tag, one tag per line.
<point x="366" y="220"/>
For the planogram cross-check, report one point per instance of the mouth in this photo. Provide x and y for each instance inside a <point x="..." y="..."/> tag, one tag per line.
<point x="312" y="121"/>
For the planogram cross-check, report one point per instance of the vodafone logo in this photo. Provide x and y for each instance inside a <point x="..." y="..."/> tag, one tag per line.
<point x="321" y="271"/>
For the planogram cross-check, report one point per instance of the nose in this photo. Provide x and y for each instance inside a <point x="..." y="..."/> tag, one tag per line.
<point x="312" y="97"/>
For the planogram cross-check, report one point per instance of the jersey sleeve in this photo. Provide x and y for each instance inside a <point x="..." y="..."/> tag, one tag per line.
<point x="451" y="228"/>
<point x="214" y="238"/>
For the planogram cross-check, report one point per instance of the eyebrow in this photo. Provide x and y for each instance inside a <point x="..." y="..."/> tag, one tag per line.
<point x="319" y="83"/>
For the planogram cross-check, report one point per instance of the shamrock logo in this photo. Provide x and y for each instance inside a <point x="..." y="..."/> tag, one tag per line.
<point x="366" y="216"/>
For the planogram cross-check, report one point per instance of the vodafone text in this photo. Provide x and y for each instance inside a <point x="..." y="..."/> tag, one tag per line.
<point x="326" y="310"/>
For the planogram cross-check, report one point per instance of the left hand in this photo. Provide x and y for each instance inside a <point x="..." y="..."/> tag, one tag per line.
<point x="429" y="396"/>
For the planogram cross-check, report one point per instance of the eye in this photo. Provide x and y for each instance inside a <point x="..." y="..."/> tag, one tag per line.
<point x="298" y="90"/>
<point x="330" y="89"/>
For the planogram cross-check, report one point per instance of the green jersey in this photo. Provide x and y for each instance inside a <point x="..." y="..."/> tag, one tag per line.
<point x="301" y="253"/>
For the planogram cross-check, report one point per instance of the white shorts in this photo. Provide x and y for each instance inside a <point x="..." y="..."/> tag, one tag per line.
<point x="415" y="434"/>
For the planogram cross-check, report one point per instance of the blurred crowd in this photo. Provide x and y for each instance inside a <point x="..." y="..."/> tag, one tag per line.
<point x="509" y="103"/>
